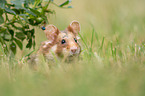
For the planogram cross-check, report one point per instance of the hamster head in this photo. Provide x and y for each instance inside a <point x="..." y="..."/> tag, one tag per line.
<point x="62" y="43"/>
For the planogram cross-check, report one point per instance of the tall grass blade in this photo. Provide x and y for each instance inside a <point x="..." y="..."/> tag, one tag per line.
<point x="92" y="39"/>
<point x="83" y="41"/>
<point x="102" y="43"/>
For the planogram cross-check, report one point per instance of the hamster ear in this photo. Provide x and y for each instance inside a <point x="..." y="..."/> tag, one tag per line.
<point x="51" y="32"/>
<point x="74" y="27"/>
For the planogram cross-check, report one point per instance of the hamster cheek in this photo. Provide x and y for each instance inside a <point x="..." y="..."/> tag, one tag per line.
<point x="78" y="51"/>
<point x="65" y="52"/>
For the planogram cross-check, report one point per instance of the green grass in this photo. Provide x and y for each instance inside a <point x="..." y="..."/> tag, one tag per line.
<point x="112" y="62"/>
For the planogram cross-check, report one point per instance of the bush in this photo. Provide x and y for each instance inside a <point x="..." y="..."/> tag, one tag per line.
<point x="17" y="19"/>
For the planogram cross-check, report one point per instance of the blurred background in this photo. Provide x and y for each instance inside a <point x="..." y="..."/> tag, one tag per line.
<point x="113" y="30"/>
<point x="113" y="19"/>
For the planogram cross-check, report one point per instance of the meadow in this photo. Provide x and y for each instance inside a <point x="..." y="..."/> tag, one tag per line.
<point x="112" y="61"/>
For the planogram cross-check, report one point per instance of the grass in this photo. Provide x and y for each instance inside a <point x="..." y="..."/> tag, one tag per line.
<point x="112" y="60"/>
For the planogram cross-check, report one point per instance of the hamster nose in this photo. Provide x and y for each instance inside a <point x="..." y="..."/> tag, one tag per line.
<point x="73" y="50"/>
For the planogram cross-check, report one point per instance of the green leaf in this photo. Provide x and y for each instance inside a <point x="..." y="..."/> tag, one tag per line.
<point x="30" y="1"/>
<point x="17" y="11"/>
<point x="11" y="32"/>
<point x="37" y="3"/>
<point x="29" y="45"/>
<point x="7" y="36"/>
<point x="2" y="4"/>
<point x="24" y="15"/>
<point x="20" y="35"/>
<point x="21" y="9"/>
<point x="34" y="11"/>
<point x="5" y="48"/>
<point x="29" y="35"/>
<point x="30" y="12"/>
<point x="9" y="5"/>
<point x="13" y="47"/>
<point x="32" y="32"/>
<point x="65" y="3"/>
<point x="39" y="20"/>
<point x="3" y="29"/>
<point x="26" y="26"/>
<point x="27" y="2"/>
<point x="70" y="7"/>
<point x="1" y="12"/>
<point x="18" y="3"/>
<point x="19" y="43"/>
<point x="1" y="19"/>
<point x="10" y="11"/>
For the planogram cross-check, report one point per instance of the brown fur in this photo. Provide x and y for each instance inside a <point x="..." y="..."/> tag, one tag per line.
<point x="70" y="48"/>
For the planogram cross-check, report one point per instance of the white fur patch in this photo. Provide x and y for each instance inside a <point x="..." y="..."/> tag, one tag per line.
<point x="78" y="37"/>
<point x="46" y="43"/>
<point x="53" y="49"/>
<point x="74" y="47"/>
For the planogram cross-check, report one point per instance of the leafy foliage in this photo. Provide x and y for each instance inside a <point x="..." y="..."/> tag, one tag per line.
<point x="17" y="19"/>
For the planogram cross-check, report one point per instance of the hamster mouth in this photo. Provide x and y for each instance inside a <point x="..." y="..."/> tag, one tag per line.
<point x="70" y="58"/>
<point x="73" y="55"/>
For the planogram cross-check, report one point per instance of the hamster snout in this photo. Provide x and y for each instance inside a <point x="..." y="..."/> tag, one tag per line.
<point x="73" y="50"/>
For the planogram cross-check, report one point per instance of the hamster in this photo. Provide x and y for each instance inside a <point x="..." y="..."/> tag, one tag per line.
<point x="62" y="45"/>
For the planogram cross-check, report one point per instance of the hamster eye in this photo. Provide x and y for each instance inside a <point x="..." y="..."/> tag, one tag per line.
<point x="75" y="40"/>
<point x="63" y="41"/>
